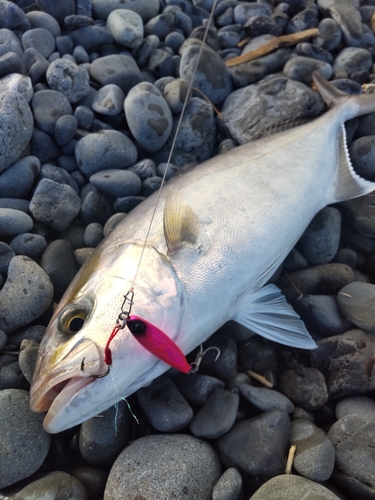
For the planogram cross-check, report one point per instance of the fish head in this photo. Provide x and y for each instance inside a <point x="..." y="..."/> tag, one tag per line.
<point x="71" y="354"/>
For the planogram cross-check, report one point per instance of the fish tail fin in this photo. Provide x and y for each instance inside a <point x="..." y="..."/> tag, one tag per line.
<point x="347" y="184"/>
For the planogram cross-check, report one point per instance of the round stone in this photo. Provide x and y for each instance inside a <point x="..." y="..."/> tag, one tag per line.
<point x="53" y="485"/>
<point x="147" y="9"/>
<point x="356" y="302"/>
<point x="68" y="79"/>
<point x="108" y="148"/>
<point x="28" y="281"/>
<point x="109" y="100"/>
<point x="17" y="181"/>
<point x="24" y="443"/>
<point x="164" y="466"/>
<point x="117" y="183"/>
<point x="292" y="487"/>
<point x="48" y="106"/>
<point x="29" y="244"/>
<point x="148" y="116"/>
<point x="126" y="27"/>
<point x="65" y="129"/>
<point x="39" y="39"/>
<point x="13" y="222"/>
<point x="16" y="127"/>
<point x="118" y="69"/>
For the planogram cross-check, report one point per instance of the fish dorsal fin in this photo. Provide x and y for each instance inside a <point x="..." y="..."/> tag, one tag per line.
<point x="181" y="225"/>
<point x="267" y="313"/>
<point x="347" y="184"/>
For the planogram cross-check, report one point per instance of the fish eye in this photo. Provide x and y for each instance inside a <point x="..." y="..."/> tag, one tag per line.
<point x="137" y="327"/>
<point x="72" y="320"/>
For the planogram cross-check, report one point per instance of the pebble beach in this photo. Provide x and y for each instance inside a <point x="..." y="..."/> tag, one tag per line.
<point x="91" y="92"/>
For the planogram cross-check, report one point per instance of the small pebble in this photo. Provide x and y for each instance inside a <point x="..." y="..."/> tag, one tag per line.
<point x="120" y="70"/>
<point x="65" y="129"/>
<point x="258" y="446"/>
<point x="217" y="416"/>
<point x="54" y="485"/>
<point x="54" y="204"/>
<point x="107" y="149"/>
<point x="355" y="405"/>
<point x="102" y="439"/>
<point x="266" y="399"/>
<point x="196" y="388"/>
<point x="59" y="263"/>
<point x="356" y="302"/>
<point x="292" y="487"/>
<point x="229" y="486"/>
<point x="315" y="454"/>
<point x="126" y="27"/>
<point x="305" y="387"/>
<point x="29" y="244"/>
<point x="117" y="183"/>
<point x="14" y="222"/>
<point x="109" y="100"/>
<point x="68" y="79"/>
<point x="40" y="39"/>
<point x="164" y="406"/>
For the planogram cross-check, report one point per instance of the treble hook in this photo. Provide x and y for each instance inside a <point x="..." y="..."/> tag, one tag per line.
<point x="196" y="364"/>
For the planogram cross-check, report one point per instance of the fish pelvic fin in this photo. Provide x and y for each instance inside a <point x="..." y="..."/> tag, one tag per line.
<point x="347" y="184"/>
<point x="181" y="225"/>
<point x="267" y="313"/>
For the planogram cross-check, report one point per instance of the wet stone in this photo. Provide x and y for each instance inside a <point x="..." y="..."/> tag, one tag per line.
<point x="109" y="148"/>
<point x="229" y="486"/>
<point x="164" y="406"/>
<point x="259" y="25"/>
<point x="150" y="463"/>
<point x="17" y="127"/>
<point x="109" y="100"/>
<point x="305" y="387"/>
<point x="347" y="17"/>
<point x="24" y="443"/>
<point x="212" y="76"/>
<point x="304" y="20"/>
<point x="346" y="363"/>
<point x="149" y="117"/>
<point x="292" y="487"/>
<point x="54" y="204"/>
<point x="126" y="27"/>
<point x="102" y="439"/>
<point x="29" y="244"/>
<point x="120" y="70"/>
<point x="243" y="12"/>
<point x="315" y="454"/>
<point x="356" y="302"/>
<point x="310" y="50"/>
<point x="59" y="263"/>
<point x="271" y="101"/>
<point x="266" y="399"/>
<point x="217" y="416"/>
<point x="48" y="106"/>
<point x="258" y="445"/>
<point x="68" y="79"/>
<point x="117" y="183"/>
<point x="322" y="315"/>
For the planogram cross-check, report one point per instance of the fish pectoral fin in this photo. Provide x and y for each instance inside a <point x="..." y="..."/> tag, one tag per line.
<point x="267" y="313"/>
<point x="181" y="225"/>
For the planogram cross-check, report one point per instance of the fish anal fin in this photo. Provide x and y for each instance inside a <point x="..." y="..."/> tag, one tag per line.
<point x="181" y="225"/>
<point x="347" y="184"/>
<point x="267" y="313"/>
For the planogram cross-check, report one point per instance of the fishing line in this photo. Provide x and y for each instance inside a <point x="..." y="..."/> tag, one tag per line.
<point x="187" y="98"/>
<point x="124" y="315"/>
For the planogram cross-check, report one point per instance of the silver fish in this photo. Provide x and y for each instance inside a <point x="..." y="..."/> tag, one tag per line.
<point x="220" y="231"/>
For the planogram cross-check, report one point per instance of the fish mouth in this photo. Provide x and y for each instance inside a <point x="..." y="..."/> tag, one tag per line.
<point x="57" y="386"/>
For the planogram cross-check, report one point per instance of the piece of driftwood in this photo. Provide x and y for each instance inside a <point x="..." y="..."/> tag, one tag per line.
<point x="272" y="45"/>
